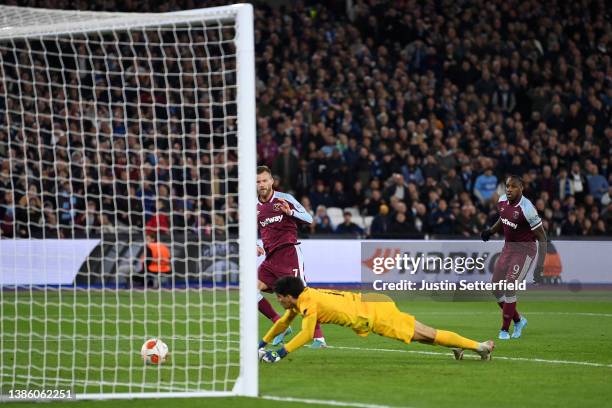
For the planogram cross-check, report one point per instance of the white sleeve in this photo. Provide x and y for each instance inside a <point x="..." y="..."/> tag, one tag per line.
<point x="299" y="211"/>
<point x="531" y="214"/>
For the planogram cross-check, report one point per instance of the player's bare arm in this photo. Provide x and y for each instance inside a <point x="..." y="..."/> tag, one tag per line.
<point x="542" y="247"/>
<point x="486" y="234"/>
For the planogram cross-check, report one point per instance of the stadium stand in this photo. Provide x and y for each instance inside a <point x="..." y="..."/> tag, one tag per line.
<point x="424" y="107"/>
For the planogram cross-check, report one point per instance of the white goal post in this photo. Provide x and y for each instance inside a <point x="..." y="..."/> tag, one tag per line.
<point x="119" y="132"/>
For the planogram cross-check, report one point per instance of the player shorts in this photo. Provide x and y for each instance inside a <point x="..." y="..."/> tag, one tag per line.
<point x="385" y="319"/>
<point x="512" y="265"/>
<point x="285" y="261"/>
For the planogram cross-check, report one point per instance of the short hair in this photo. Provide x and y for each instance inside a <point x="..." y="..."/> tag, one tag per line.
<point x="264" y="169"/>
<point x="289" y="285"/>
<point x="516" y="178"/>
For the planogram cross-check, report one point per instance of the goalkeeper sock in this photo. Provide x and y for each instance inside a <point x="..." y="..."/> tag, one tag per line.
<point x="451" y="339"/>
<point x="266" y="309"/>
<point x="508" y="314"/>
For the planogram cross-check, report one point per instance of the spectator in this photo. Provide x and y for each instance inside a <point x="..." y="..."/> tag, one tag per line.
<point x="598" y="185"/>
<point x="286" y="166"/>
<point x="267" y="150"/>
<point x="320" y="214"/>
<point x="397" y="188"/>
<point x="442" y="220"/>
<point x="348" y="227"/>
<point x="156" y="263"/>
<point x="303" y="178"/>
<point x="571" y="227"/>
<point x="411" y="172"/>
<point x="431" y="168"/>
<point x="51" y="228"/>
<point x="401" y="225"/>
<point x="503" y="97"/>
<point x="485" y="186"/>
<point x="373" y="203"/>
<point x="339" y="198"/>
<point x="160" y="222"/>
<point x="320" y="196"/>
<point x="88" y="222"/>
<point x="547" y="182"/>
<point x="421" y="221"/>
<point x="7" y="215"/>
<point x="324" y="226"/>
<point x="452" y="184"/>
<point x="380" y="223"/>
<point x="467" y="222"/>
<point x="29" y="213"/>
<point x="600" y="228"/>
<point x="578" y="182"/>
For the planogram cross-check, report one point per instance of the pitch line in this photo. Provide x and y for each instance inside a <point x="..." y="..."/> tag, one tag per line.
<point x="452" y="313"/>
<point x="495" y="357"/>
<point x="326" y="402"/>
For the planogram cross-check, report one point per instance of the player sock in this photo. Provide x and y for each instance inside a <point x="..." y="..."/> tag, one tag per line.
<point x="517" y="316"/>
<point x="508" y="313"/>
<point x="267" y="310"/>
<point x="451" y="339"/>
<point x="318" y="333"/>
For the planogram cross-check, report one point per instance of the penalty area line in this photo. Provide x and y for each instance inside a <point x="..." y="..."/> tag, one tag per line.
<point x="325" y="402"/>
<point x="495" y="357"/>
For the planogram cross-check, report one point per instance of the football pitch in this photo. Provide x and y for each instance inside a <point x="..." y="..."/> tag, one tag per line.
<point x="564" y="358"/>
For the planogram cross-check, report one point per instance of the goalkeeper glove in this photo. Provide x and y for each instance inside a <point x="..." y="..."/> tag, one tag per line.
<point x="486" y="234"/>
<point x="261" y="349"/>
<point x="274" y="356"/>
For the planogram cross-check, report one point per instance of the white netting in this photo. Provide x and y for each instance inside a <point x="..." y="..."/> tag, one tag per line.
<point x="117" y="127"/>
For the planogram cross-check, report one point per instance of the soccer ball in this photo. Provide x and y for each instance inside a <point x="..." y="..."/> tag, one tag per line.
<point x="154" y="351"/>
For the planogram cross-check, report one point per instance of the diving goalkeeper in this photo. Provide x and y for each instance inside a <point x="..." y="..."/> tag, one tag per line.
<point x="363" y="316"/>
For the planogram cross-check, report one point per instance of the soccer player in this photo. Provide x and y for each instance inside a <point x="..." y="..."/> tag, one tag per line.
<point x="277" y="218"/>
<point x="521" y="224"/>
<point x="361" y="314"/>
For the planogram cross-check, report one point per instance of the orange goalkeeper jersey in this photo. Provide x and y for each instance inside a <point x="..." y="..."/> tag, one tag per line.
<point x="341" y="308"/>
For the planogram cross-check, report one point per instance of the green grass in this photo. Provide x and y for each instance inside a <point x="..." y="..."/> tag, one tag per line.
<point x="563" y="327"/>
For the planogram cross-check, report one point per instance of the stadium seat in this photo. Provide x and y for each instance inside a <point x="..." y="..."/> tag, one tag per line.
<point x="335" y="215"/>
<point x="367" y="221"/>
<point x="354" y="211"/>
<point x="358" y="219"/>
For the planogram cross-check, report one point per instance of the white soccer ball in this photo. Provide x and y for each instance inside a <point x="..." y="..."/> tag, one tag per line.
<point x="154" y="351"/>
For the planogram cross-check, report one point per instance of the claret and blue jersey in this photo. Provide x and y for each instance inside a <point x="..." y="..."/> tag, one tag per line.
<point x="518" y="220"/>
<point x="276" y="228"/>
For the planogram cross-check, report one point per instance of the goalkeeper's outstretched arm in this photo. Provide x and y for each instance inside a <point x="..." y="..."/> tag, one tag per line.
<point x="280" y="326"/>
<point x="305" y="335"/>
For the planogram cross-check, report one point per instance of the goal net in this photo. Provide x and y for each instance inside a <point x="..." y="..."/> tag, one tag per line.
<point x="127" y="202"/>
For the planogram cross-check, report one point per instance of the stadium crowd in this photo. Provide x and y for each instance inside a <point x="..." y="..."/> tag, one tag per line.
<point x="410" y="113"/>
